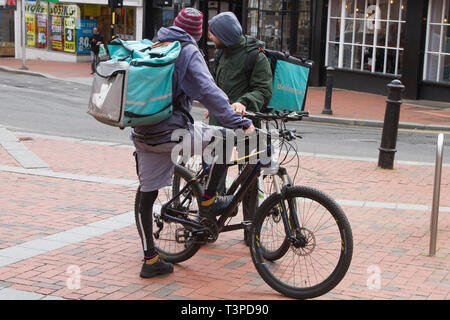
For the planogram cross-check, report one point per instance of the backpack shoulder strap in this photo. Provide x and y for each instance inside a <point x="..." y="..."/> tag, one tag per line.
<point x="176" y="102"/>
<point x="185" y="43"/>
<point x="250" y="62"/>
<point x="217" y="56"/>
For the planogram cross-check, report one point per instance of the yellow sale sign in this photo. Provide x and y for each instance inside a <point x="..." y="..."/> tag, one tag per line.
<point x="69" y="35"/>
<point x="30" y="20"/>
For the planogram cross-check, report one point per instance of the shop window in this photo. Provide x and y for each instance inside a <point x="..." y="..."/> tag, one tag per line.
<point x="304" y="29"/>
<point x="66" y="27"/>
<point x="270" y="21"/>
<point x="125" y="28"/>
<point x="6" y="32"/>
<point x="94" y="16"/>
<point x="366" y="35"/>
<point x="52" y="25"/>
<point x="270" y="30"/>
<point x="437" y="47"/>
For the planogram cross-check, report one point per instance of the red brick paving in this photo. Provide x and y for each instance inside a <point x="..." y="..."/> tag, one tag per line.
<point x="360" y="105"/>
<point x="396" y="241"/>
<point x="54" y="68"/>
<point x="97" y="164"/>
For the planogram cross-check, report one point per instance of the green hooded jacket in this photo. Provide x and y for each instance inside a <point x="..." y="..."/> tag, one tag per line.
<point x="230" y="77"/>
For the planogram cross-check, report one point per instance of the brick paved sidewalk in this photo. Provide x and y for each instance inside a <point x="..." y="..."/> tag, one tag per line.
<point x="76" y="215"/>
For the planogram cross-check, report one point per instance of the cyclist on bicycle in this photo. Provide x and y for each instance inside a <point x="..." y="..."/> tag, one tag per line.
<point x="191" y="81"/>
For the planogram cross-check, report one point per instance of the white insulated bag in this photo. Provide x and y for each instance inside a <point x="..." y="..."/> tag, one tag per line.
<point x="106" y="102"/>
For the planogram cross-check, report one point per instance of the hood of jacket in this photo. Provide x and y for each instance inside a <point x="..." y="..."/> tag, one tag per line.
<point x="253" y="43"/>
<point x="247" y="42"/>
<point x="174" y="33"/>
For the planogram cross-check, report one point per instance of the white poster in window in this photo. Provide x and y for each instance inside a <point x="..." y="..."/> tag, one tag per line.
<point x="373" y="17"/>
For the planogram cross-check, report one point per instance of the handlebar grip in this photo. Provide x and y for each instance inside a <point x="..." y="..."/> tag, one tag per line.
<point x="278" y="115"/>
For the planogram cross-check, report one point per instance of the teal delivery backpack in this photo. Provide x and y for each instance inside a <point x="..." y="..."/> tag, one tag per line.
<point x="134" y="87"/>
<point x="290" y="79"/>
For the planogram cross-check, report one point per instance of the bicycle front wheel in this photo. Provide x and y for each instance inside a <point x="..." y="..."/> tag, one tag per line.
<point x="320" y="250"/>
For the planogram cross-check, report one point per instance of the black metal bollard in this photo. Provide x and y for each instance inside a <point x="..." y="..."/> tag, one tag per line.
<point x="328" y="92"/>
<point x="390" y="126"/>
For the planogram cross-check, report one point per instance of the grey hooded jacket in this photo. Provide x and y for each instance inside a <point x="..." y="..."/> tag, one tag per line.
<point x="191" y="81"/>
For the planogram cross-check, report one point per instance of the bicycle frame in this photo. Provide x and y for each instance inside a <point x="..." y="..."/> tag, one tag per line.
<point x="245" y="180"/>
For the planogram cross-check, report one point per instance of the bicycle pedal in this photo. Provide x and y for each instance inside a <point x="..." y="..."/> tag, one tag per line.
<point x="182" y="235"/>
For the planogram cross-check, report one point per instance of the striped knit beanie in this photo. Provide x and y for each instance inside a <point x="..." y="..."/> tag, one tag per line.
<point x="191" y="21"/>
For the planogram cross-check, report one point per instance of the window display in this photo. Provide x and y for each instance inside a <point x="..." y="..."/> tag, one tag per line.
<point x="51" y="25"/>
<point x="56" y="33"/>
<point x="66" y="27"/>
<point x="84" y="30"/>
<point x="304" y="29"/>
<point x="41" y="30"/>
<point x="270" y="21"/>
<point x="366" y="35"/>
<point x="30" y="21"/>
<point x="6" y="32"/>
<point x="437" y="47"/>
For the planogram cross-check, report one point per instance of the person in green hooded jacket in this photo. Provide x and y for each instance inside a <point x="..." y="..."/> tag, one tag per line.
<point x="247" y="91"/>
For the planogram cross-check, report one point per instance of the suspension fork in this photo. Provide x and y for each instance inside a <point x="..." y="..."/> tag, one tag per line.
<point x="290" y="219"/>
<point x="282" y="207"/>
<point x="287" y="182"/>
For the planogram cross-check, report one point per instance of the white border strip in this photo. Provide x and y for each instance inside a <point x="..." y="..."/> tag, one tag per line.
<point x="19" y="151"/>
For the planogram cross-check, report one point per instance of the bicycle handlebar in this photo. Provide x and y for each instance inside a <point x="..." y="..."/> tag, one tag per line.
<point x="285" y="133"/>
<point x="278" y="115"/>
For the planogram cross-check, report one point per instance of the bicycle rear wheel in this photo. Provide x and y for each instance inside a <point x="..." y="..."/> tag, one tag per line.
<point x="320" y="253"/>
<point x="170" y="247"/>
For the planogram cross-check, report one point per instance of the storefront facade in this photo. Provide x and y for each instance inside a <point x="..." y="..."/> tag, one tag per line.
<point x="60" y="29"/>
<point x="367" y="42"/>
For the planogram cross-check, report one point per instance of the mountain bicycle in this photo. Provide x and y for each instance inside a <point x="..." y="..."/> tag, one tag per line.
<point x="301" y="241"/>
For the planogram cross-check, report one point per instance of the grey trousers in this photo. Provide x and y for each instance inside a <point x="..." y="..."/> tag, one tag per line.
<point x="156" y="164"/>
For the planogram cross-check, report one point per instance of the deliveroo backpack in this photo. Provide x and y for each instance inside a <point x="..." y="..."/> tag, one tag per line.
<point x="290" y="78"/>
<point x="134" y="87"/>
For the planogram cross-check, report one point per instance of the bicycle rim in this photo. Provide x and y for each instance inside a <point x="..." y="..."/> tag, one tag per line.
<point x="166" y="243"/>
<point x="320" y="257"/>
